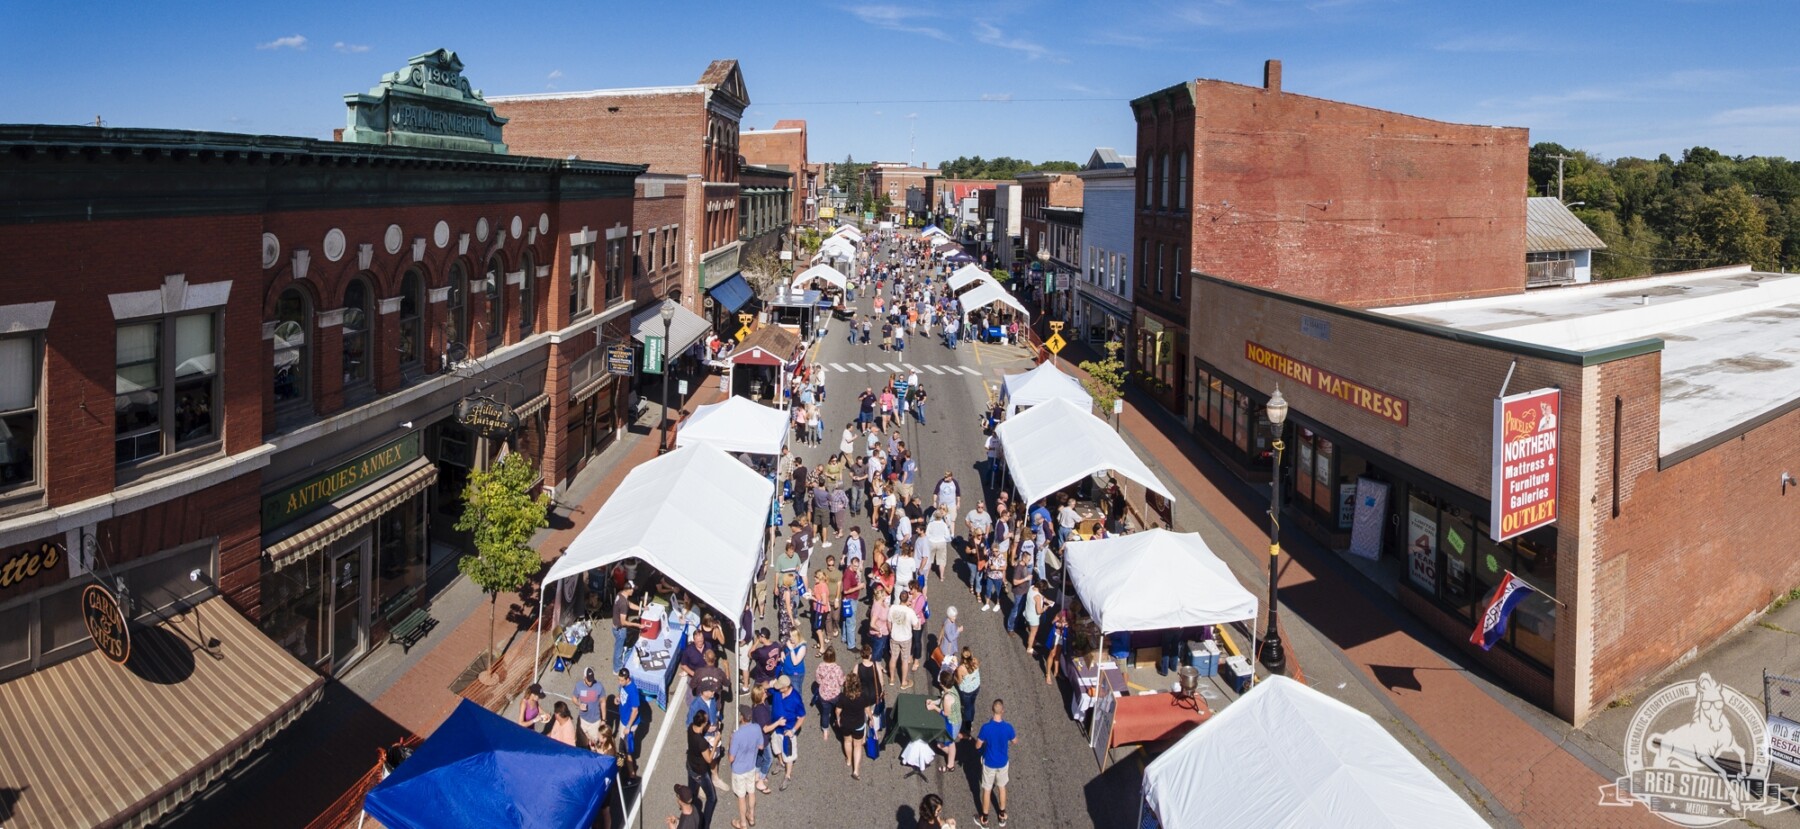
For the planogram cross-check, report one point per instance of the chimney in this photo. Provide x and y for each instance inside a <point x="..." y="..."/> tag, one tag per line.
<point x="1272" y="75"/>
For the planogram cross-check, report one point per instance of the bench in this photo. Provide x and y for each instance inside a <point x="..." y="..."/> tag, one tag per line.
<point x="407" y="623"/>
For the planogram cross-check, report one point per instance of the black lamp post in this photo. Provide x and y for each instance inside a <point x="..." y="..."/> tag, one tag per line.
<point x="1043" y="257"/>
<point x="667" y="312"/>
<point x="1274" y="657"/>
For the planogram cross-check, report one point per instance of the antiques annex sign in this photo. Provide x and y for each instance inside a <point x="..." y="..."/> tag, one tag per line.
<point x="428" y="104"/>
<point x="319" y="490"/>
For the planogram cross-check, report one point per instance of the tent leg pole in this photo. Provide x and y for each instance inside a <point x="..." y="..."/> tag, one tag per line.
<point x="537" y="670"/>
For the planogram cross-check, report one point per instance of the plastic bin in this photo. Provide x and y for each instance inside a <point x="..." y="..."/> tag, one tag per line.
<point x="1237" y="672"/>
<point x="1204" y="662"/>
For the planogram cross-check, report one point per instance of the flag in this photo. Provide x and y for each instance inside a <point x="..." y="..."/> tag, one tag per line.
<point x="1507" y="596"/>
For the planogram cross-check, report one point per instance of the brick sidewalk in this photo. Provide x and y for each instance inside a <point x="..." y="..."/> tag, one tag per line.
<point x="1532" y="776"/>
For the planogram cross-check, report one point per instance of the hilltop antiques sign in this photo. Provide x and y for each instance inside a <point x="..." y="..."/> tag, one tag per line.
<point x="427" y="104"/>
<point x="106" y="623"/>
<point x="487" y="417"/>
<point x="308" y="495"/>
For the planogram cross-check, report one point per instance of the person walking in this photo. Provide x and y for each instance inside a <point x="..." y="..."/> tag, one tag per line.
<point x="901" y="623"/>
<point x="1059" y="634"/>
<point x="793" y="657"/>
<point x="830" y="679"/>
<point x="700" y="755"/>
<point x="1036" y="602"/>
<point x="994" y="741"/>
<point x="790" y="715"/>
<point x="746" y="742"/>
<point x="851" y="719"/>
<point x="631" y="701"/>
<point x="968" y="685"/>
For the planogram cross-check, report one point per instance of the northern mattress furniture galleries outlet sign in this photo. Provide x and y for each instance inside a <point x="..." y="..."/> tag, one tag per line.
<point x="1380" y="404"/>
<point x="1525" y="468"/>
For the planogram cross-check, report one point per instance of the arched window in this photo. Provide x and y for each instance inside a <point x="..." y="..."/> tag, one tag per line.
<point x="1148" y="174"/>
<point x="527" y="300"/>
<point x="356" y="332"/>
<point x="496" y="298"/>
<point x="1164" y="202"/>
<point x="292" y="319"/>
<point x="459" y="306"/>
<point x="412" y="333"/>
<point x="1181" y="183"/>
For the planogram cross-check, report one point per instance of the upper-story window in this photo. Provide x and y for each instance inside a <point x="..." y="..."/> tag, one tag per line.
<point x="615" y="270"/>
<point x="581" y="280"/>
<point x="293" y="321"/>
<point x="1181" y="183"/>
<point x="19" y="381"/>
<point x="496" y="302"/>
<point x="165" y="385"/>
<point x="458" y="302"/>
<point x="412" y="329"/>
<point x="1161" y="251"/>
<point x="651" y="251"/>
<point x="1163" y="201"/>
<point x="527" y="297"/>
<point x="356" y="332"/>
<point x="1147" y="176"/>
<point x="1178" y="276"/>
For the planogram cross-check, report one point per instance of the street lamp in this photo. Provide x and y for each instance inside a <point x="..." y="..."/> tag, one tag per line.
<point x="1043" y="257"/>
<point x="667" y="312"/>
<point x="1273" y="656"/>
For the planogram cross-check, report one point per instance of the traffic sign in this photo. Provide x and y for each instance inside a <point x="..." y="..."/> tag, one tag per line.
<point x="742" y="333"/>
<point x="1055" y="343"/>
<point x="1056" y="325"/>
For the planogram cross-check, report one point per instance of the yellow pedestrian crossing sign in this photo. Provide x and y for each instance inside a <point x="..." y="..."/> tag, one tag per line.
<point x="742" y="333"/>
<point x="1055" y="343"/>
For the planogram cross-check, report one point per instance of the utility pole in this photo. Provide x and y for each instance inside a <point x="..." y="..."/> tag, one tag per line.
<point x="1559" y="173"/>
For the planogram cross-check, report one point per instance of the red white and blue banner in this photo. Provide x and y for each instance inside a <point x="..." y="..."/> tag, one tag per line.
<point x="1510" y="592"/>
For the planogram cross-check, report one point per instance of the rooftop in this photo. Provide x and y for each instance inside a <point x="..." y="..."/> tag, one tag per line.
<point x="1731" y="338"/>
<point x="1551" y="226"/>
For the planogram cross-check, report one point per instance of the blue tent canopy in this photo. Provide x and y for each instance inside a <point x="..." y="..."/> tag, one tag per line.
<point x="481" y="770"/>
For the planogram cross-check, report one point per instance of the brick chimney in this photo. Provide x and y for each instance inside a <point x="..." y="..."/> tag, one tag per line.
<point x="1272" y="75"/>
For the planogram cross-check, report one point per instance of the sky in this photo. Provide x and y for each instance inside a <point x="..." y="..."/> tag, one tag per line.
<point x="929" y="81"/>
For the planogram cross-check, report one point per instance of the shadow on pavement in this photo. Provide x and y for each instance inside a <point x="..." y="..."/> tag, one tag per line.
<point x="1113" y="796"/>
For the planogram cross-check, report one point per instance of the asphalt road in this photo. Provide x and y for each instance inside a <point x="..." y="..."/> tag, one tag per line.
<point x="1054" y="775"/>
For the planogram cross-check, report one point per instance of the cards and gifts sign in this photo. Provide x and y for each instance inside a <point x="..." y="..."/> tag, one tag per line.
<point x="1523" y="494"/>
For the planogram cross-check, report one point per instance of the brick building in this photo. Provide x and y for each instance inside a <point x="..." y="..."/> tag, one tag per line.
<point x="1038" y="191"/>
<point x="658" y="208"/>
<point x="783" y="147"/>
<point x="957" y="199"/>
<point x="294" y="325"/>
<point x="893" y="179"/>
<point x="767" y="203"/>
<point x="683" y="130"/>
<point x="1672" y="430"/>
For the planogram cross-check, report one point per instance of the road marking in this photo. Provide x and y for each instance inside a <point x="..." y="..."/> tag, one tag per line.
<point x="834" y="366"/>
<point x="912" y="368"/>
<point x="971" y="370"/>
<point x="854" y="367"/>
<point x="893" y="368"/>
<point x="933" y="370"/>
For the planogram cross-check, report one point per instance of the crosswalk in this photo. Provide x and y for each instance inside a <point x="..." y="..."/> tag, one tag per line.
<point x="901" y="368"/>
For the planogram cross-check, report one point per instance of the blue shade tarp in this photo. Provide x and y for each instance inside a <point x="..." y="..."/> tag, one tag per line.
<point x="480" y="769"/>
<point x="732" y="293"/>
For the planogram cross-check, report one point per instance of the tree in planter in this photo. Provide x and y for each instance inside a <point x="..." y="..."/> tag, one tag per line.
<point x="1106" y="378"/>
<point x="502" y="515"/>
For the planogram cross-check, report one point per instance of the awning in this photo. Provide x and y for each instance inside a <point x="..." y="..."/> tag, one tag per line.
<point x="92" y="743"/>
<point x="410" y="480"/>
<point x="738" y="424"/>
<point x="987" y="294"/>
<point x="685" y="328"/>
<point x="732" y="293"/>
<point x="1155" y="580"/>
<point x="1056" y="443"/>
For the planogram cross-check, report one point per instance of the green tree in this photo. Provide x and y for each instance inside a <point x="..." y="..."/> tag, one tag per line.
<point x="1726" y="227"/>
<point x="1000" y="275"/>
<point x="502" y="514"/>
<point x="1106" y="378"/>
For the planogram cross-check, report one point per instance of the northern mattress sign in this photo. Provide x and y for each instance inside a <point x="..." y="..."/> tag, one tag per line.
<point x="1525" y="462"/>
<point x="1380" y="404"/>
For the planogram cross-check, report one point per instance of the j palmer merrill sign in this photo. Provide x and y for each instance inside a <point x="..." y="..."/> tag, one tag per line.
<point x="1380" y="404"/>
<point x="319" y="490"/>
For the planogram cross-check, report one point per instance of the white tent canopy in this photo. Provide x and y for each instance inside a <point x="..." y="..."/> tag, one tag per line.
<point x="1056" y="443"/>
<point x="847" y="230"/>
<point x="987" y="294"/>
<point x="1285" y="756"/>
<point x="825" y="272"/>
<point x="1154" y="580"/>
<point x="696" y="514"/>
<point x="736" y="425"/>
<point x="968" y="275"/>
<point x="934" y="230"/>
<point x="837" y="247"/>
<point x="1029" y="388"/>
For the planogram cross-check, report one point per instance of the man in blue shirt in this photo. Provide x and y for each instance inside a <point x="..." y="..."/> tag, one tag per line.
<point x="630" y="700"/>
<point x="588" y="694"/>
<point x="746" y="741"/>
<point x="790" y="712"/>
<point x="994" y="741"/>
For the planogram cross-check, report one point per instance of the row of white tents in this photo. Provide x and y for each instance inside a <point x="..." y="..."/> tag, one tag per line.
<point x="1283" y="755"/>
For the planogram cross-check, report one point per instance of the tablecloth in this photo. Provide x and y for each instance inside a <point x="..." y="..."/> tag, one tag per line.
<point x="1148" y="718"/>
<point x="911" y="720"/>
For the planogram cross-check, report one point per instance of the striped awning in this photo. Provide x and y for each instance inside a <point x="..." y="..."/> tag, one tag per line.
<point x="90" y="743"/>
<point x="411" y="480"/>
<point x="533" y="406"/>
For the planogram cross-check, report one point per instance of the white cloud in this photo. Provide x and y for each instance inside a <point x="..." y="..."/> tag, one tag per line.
<point x="349" y="48"/>
<point x="297" y="42"/>
<point x="1758" y="115"/>
<point x="996" y="96"/>
<point x="554" y="74"/>
<point x="991" y="35"/>
<point x="896" y="18"/>
<point x="1491" y="42"/>
<point x="876" y="112"/>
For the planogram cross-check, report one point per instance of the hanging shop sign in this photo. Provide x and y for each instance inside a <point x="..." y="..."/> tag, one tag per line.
<point x="315" y="492"/>
<point x="1523" y="494"/>
<point x="1378" y="403"/>
<point x="106" y="623"/>
<point x="487" y="417"/>
<point x="653" y="354"/>
<point x="618" y="360"/>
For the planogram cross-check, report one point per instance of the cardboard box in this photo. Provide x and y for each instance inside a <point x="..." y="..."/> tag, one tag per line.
<point x="1147" y="656"/>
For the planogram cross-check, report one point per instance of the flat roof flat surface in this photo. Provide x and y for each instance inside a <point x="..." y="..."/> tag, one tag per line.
<point x="1731" y="337"/>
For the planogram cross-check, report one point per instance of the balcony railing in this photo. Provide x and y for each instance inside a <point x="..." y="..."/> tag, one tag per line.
<point x="1553" y="272"/>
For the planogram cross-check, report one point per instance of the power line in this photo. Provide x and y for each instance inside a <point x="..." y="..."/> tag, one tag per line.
<point x="943" y="101"/>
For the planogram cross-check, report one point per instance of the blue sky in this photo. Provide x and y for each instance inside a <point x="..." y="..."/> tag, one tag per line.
<point x="1027" y="79"/>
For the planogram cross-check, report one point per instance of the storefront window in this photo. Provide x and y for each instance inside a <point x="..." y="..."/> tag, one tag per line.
<point x="15" y="636"/>
<point x="291" y="612"/>
<point x="1241" y="423"/>
<point x="400" y="553"/>
<point x="1488" y="563"/>
<point x="1534" y="623"/>
<point x="1456" y="540"/>
<point x="1323" y="497"/>
<point x="1303" y="464"/>
<point x="1422" y="544"/>
<point x="60" y="622"/>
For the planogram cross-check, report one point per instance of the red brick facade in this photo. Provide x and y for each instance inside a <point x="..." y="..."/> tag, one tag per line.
<point x="1041" y="190"/>
<point x="783" y="147"/>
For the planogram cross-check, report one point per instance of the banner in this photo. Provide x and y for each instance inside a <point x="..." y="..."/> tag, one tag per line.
<point x="1523" y="493"/>
<point x="1371" y="516"/>
<point x="652" y="659"/>
<point x="1421" y="546"/>
<point x="1784" y="744"/>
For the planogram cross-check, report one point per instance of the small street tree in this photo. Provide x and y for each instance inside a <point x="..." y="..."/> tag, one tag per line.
<point x="1106" y="378"/>
<point x="765" y="272"/>
<point x="501" y="513"/>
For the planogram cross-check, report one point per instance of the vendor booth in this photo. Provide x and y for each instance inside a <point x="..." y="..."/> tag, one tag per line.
<point x="1046" y="382"/>
<point x="798" y="311"/>
<point x="991" y="293"/>
<point x="757" y="368"/>
<point x="1285" y="755"/>
<point x="825" y="273"/>
<point x="934" y="230"/>
<point x="1057" y="443"/>
<point x="735" y="425"/>
<point x="848" y="231"/>
<point x="482" y="771"/>
<point x="968" y="276"/>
